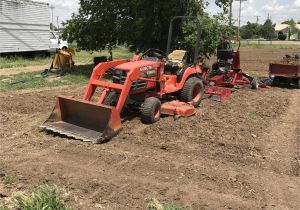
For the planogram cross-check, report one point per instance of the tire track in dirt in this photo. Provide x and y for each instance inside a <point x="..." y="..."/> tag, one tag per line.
<point x="281" y="146"/>
<point x="198" y="160"/>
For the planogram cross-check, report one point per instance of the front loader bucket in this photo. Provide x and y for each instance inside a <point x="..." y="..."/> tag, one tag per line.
<point x="83" y="120"/>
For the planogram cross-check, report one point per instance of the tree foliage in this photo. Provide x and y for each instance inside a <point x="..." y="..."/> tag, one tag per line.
<point x="292" y="27"/>
<point x="250" y="30"/>
<point x="267" y="30"/>
<point x="254" y="30"/>
<point x="224" y="4"/>
<point x="215" y="29"/>
<point x="141" y="24"/>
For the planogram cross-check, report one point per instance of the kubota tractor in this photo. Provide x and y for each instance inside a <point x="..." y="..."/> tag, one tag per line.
<point x="155" y="83"/>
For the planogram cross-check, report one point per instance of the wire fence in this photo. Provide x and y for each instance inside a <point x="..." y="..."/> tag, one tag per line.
<point x="269" y="42"/>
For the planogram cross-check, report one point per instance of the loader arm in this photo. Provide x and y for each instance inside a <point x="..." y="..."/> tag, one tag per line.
<point x="97" y="75"/>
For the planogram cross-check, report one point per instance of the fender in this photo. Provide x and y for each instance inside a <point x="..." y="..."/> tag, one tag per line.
<point x="185" y="74"/>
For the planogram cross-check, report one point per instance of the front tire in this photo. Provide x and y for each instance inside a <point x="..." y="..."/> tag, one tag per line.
<point x="192" y="91"/>
<point x="151" y="110"/>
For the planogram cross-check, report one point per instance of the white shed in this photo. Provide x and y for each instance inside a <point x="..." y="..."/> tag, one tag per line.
<point x="24" y="26"/>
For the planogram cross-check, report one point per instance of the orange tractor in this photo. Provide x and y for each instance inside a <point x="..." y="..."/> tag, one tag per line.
<point x="155" y="83"/>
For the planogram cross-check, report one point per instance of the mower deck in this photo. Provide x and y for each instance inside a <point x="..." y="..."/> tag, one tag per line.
<point x="177" y="108"/>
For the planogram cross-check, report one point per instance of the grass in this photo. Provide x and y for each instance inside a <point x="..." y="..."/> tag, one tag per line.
<point x="3" y="207"/>
<point x="268" y="46"/>
<point x="45" y="197"/>
<point x="80" y="57"/>
<point x="79" y="75"/>
<point x="252" y="114"/>
<point x="18" y="61"/>
<point x="156" y="205"/>
<point x="9" y="179"/>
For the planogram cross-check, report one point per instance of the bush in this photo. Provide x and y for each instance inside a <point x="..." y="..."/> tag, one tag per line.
<point x="282" y="36"/>
<point x="45" y="197"/>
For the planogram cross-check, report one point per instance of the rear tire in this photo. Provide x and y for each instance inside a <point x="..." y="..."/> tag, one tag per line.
<point x="192" y="91"/>
<point x="150" y="110"/>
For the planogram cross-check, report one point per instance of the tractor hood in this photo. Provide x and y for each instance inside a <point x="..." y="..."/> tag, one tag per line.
<point x="142" y="65"/>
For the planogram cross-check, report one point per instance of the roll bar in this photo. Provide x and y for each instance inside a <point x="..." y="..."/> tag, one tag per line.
<point x="199" y="27"/>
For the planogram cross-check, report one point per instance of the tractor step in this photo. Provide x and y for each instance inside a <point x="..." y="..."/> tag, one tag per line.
<point x="177" y="108"/>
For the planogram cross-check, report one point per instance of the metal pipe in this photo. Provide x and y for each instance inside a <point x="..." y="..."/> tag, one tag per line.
<point x="199" y="25"/>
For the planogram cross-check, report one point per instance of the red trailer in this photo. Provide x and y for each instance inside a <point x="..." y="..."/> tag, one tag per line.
<point x="285" y="74"/>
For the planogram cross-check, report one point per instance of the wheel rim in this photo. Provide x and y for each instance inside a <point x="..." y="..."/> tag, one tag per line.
<point x="157" y="112"/>
<point x="196" y="93"/>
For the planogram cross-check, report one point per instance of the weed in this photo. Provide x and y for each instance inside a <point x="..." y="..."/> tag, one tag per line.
<point x="3" y="207"/>
<point x="9" y="179"/>
<point x="252" y="114"/>
<point x="45" y="197"/>
<point x="156" y="205"/>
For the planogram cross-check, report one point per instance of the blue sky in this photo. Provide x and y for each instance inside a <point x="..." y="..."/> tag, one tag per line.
<point x="279" y="10"/>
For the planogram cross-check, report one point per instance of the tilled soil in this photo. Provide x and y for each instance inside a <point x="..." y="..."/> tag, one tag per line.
<point x="241" y="154"/>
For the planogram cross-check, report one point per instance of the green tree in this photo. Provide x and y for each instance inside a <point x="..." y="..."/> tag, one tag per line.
<point x="250" y="30"/>
<point x="215" y="29"/>
<point x="292" y="27"/>
<point x="224" y="4"/>
<point x="267" y="30"/>
<point x="141" y="24"/>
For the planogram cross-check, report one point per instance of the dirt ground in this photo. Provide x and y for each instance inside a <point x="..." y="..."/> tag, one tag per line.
<point x="241" y="154"/>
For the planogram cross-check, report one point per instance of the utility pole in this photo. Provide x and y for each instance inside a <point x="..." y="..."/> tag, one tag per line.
<point x="240" y="9"/>
<point x="268" y="16"/>
<point x="52" y="7"/>
<point x="57" y="23"/>
<point x="230" y="13"/>
<point x="257" y="19"/>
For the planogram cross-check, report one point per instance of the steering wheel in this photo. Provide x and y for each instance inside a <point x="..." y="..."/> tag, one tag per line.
<point x="152" y="52"/>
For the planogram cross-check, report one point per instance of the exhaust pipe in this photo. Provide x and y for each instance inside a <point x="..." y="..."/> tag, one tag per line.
<point x="83" y="120"/>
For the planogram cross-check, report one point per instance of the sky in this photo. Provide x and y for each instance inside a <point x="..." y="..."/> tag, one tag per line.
<point x="278" y="10"/>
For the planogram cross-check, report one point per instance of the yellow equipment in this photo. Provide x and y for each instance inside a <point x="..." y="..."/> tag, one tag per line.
<point x="63" y="59"/>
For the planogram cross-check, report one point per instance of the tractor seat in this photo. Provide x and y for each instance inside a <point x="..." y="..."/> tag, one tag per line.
<point x="178" y="55"/>
<point x="176" y="60"/>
